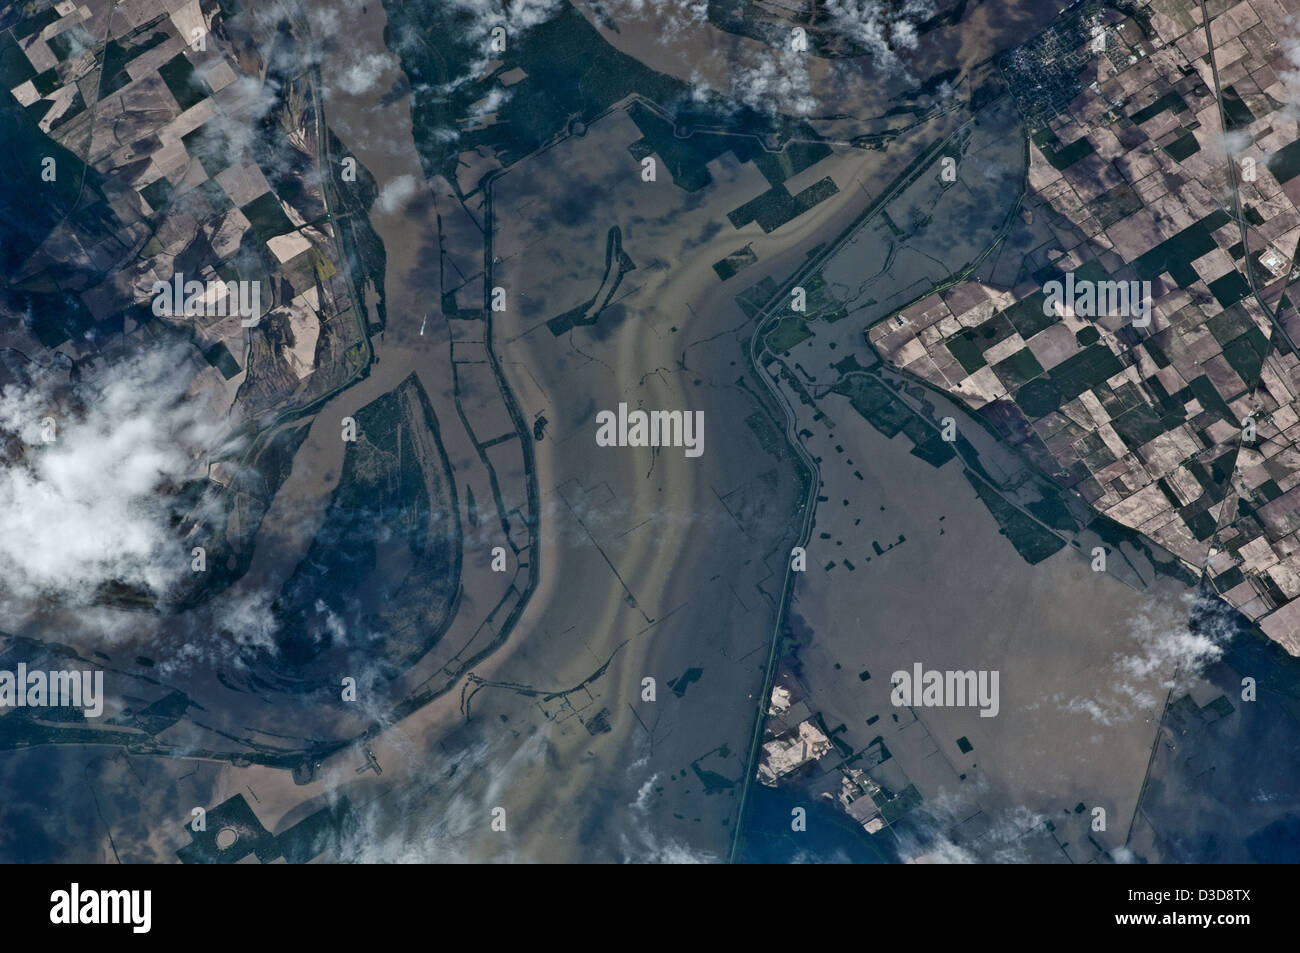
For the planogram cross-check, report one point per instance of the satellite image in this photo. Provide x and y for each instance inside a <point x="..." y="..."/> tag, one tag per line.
<point x="649" y="431"/>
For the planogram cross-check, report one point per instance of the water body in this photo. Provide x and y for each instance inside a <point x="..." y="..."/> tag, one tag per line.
<point x="907" y="563"/>
<point x="830" y="837"/>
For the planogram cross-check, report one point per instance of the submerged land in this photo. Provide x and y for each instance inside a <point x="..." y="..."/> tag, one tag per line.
<point x="439" y="619"/>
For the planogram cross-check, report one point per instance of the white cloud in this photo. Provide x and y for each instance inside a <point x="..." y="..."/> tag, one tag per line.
<point x="775" y="79"/>
<point x="943" y="851"/>
<point x="236" y="126"/>
<point x="249" y="621"/>
<point x="1163" y="655"/>
<point x="362" y="74"/>
<point x="882" y="31"/>
<point x="673" y="16"/>
<point x="324" y="21"/>
<point x="1290" y="78"/>
<point x="685" y="15"/>
<point x="649" y="849"/>
<point x="927" y="837"/>
<point x="640" y="844"/>
<point x="93" y="506"/>
<point x="489" y="104"/>
<point x="399" y="829"/>
<point x="642" y="802"/>
<point x="482" y="17"/>
<point x="1236" y="142"/>
<point x="517" y="18"/>
<point x="396" y="193"/>
<point x="776" y="82"/>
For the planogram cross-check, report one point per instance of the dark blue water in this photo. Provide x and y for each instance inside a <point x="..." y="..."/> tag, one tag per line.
<point x="831" y="837"/>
